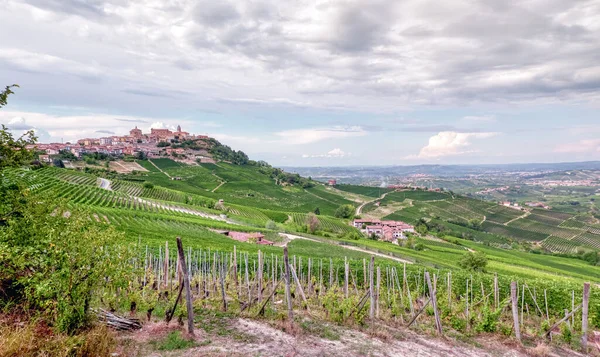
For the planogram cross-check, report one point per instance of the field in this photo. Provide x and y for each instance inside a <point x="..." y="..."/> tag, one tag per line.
<point x="560" y="232"/>
<point x="150" y="216"/>
<point x="374" y="192"/>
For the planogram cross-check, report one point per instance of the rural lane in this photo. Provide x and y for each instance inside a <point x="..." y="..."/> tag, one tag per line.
<point x="359" y="208"/>
<point x="366" y="251"/>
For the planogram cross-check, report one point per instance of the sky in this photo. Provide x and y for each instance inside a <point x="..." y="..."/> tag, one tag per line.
<point x="314" y="83"/>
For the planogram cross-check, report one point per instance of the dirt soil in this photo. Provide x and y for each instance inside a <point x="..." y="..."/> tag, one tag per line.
<point x="247" y="337"/>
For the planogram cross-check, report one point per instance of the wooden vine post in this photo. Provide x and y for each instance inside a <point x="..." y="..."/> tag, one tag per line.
<point x="515" y="309"/>
<point x="288" y="294"/>
<point x="432" y="294"/>
<point x="372" y="288"/>
<point x="186" y="282"/>
<point x="584" y="316"/>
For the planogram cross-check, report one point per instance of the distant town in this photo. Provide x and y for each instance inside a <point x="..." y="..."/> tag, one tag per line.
<point x="178" y="144"/>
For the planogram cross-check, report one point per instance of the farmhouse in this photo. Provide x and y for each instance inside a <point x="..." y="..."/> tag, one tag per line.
<point x="537" y="204"/>
<point x="332" y="182"/>
<point x="389" y="231"/>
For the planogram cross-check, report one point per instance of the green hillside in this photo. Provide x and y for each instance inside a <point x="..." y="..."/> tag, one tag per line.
<point x="151" y="214"/>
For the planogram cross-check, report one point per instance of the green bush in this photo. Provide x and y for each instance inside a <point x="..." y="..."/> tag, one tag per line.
<point x="54" y="259"/>
<point x="474" y="261"/>
<point x="344" y="211"/>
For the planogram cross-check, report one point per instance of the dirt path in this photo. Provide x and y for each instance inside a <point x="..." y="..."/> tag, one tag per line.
<point x="221" y="184"/>
<point x="291" y="237"/>
<point x="359" y="208"/>
<point x="158" y="168"/>
<point x="247" y="337"/>
<point x="527" y="213"/>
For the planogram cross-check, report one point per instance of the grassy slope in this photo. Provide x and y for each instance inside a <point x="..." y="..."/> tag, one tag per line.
<point x="246" y="186"/>
<point x="153" y="227"/>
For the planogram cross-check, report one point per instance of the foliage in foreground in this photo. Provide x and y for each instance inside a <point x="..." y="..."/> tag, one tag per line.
<point x="37" y="340"/>
<point x="54" y="259"/>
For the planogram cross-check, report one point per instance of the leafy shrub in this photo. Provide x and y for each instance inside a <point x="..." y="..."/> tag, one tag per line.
<point x="473" y="261"/>
<point x="344" y="211"/>
<point x="566" y="333"/>
<point x="458" y="324"/>
<point x="489" y="320"/>
<point x="148" y="185"/>
<point x="54" y="260"/>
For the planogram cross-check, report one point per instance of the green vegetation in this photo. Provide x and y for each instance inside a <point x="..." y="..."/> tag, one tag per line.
<point x="173" y="342"/>
<point x="473" y="261"/>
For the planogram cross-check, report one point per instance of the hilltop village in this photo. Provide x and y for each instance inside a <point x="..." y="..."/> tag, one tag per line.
<point x="179" y="145"/>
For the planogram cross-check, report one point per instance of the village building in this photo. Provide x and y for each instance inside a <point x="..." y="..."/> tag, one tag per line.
<point x="389" y="231"/>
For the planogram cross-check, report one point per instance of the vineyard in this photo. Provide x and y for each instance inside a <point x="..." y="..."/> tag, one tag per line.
<point x="355" y="290"/>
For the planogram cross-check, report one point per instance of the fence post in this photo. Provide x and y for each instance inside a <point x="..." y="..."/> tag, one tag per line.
<point x="432" y="296"/>
<point x="371" y="288"/>
<point x="515" y="309"/>
<point x="346" y="277"/>
<point x="584" y="316"/>
<point x="288" y="294"/>
<point x="186" y="282"/>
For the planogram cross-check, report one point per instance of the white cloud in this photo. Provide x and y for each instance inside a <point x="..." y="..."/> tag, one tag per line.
<point x="582" y="146"/>
<point x="161" y="125"/>
<point x="18" y="123"/>
<point x="334" y="153"/>
<point x="480" y="118"/>
<point x="311" y="135"/>
<point x="72" y="127"/>
<point x="449" y="143"/>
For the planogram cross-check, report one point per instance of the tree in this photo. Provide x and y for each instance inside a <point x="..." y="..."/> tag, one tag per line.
<point x="140" y="155"/>
<point x="55" y="259"/>
<point x="344" y="211"/>
<point x="312" y="223"/>
<point x="473" y="261"/>
<point x="5" y="93"/>
<point x="14" y="152"/>
<point x="317" y="211"/>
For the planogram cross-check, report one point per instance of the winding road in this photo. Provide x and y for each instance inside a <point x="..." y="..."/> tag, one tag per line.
<point x="359" y="208"/>
<point x="366" y="251"/>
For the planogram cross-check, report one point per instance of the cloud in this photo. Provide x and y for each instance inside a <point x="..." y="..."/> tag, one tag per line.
<point x="582" y="146"/>
<point x="105" y="132"/>
<point x="18" y="123"/>
<point x="311" y="135"/>
<point x="480" y="118"/>
<point x="161" y="125"/>
<point x="132" y="120"/>
<point x="449" y="143"/>
<point x="334" y="153"/>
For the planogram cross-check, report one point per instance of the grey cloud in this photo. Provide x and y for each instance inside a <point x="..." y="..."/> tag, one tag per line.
<point x="158" y="93"/>
<point x="215" y="13"/>
<point x="358" y="28"/>
<point x="132" y="120"/>
<point x="84" y="8"/>
<point x="105" y="132"/>
<point x="434" y="128"/>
